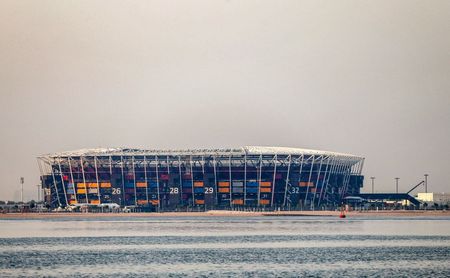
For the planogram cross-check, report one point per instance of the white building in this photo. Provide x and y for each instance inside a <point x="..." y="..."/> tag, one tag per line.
<point x="431" y="198"/>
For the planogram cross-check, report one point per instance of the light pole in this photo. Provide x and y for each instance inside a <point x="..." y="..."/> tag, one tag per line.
<point x="22" y="180"/>
<point x="426" y="183"/>
<point x="372" y="178"/>
<point x="396" y="185"/>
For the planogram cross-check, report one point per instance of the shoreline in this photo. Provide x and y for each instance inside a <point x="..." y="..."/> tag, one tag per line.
<point x="224" y="213"/>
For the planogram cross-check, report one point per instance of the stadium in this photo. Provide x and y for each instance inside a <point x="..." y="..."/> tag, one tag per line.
<point x="269" y="178"/>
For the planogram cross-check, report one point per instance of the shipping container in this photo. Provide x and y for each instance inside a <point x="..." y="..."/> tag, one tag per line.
<point x="238" y="183"/>
<point x="153" y="184"/>
<point x="95" y="202"/>
<point x="305" y="183"/>
<point x="198" y="184"/>
<point x="92" y="185"/>
<point x="265" y="189"/>
<point x="92" y="191"/>
<point x="224" y="190"/>
<point x="238" y="202"/>
<point x="142" y="202"/>
<point x="154" y="202"/>
<point x="199" y="190"/>
<point x="199" y="202"/>
<point x="70" y="191"/>
<point x="224" y="184"/>
<point x="129" y="190"/>
<point x="187" y="183"/>
<point x="252" y="184"/>
<point x="141" y="184"/>
<point x="105" y="184"/>
<point x="264" y="202"/>
<point x="252" y="190"/>
<point x="81" y="191"/>
<point x="81" y="185"/>
<point x="129" y="185"/>
<point x="237" y="189"/>
<point x="164" y="177"/>
<point x="265" y="184"/>
<point x="73" y="202"/>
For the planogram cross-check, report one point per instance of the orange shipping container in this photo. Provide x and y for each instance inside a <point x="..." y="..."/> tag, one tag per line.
<point x="264" y="202"/>
<point x="95" y="202"/>
<point x="224" y="190"/>
<point x="265" y="189"/>
<point x="199" y="202"/>
<point x="92" y="185"/>
<point x="238" y="202"/>
<point x="198" y="184"/>
<point x="305" y="183"/>
<point x="154" y="202"/>
<point x="142" y="202"/>
<point x="224" y="184"/>
<point x="265" y="184"/>
<point x="81" y="185"/>
<point x="105" y="184"/>
<point x="141" y="184"/>
<point x="81" y="191"/>
<point x="73" y="202"/>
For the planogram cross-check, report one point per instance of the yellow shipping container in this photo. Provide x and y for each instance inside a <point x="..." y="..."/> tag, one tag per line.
<point x="141" y="184"/>
<point x="92" y="185"/>
<point x="105" y="184"/>
<point x="224" y="184"/>
<point x="224" y="190"/>
<point x="81" y="185"/>
<point x="198" y="184"/>
<point x="81" y="191"/>
<point x="265" y="184"/>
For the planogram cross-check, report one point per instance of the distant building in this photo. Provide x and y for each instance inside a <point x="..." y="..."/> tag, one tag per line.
<point x="431" y="198"/>
<point x="168" y="180"/>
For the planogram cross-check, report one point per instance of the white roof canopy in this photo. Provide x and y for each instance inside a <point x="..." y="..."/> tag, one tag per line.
<point x="249" y="150"/>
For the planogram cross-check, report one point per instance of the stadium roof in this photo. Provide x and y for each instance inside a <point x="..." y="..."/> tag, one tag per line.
<point x="249" y="150"/>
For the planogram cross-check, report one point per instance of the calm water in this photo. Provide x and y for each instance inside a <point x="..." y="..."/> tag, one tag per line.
<point x="258" y="247"/>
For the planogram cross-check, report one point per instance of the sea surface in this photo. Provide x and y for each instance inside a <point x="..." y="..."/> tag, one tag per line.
<point x="225" y="247"/>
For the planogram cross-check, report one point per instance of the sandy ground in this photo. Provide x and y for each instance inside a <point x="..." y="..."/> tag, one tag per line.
<point x="221" y="213"/>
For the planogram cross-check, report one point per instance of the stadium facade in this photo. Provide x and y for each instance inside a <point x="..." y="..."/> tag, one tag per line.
<point x="201" y="179"/>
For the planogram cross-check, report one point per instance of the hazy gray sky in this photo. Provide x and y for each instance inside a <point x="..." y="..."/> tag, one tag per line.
<point x="370" y="78"/>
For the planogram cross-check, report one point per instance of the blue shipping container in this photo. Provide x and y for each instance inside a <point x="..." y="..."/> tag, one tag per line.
<point x="187" y="184"/>
<point x="198" y="190"/>
<point x="153" y="184"/>
<point x="129" y="185"/>
<point x="252" y="184"/>
<point x="252" y="190"/>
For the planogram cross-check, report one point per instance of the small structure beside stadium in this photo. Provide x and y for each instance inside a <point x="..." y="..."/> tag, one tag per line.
<point x="175" y="180"/>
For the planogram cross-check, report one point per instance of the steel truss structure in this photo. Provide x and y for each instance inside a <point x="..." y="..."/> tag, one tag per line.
<point x="168" y="180"/>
